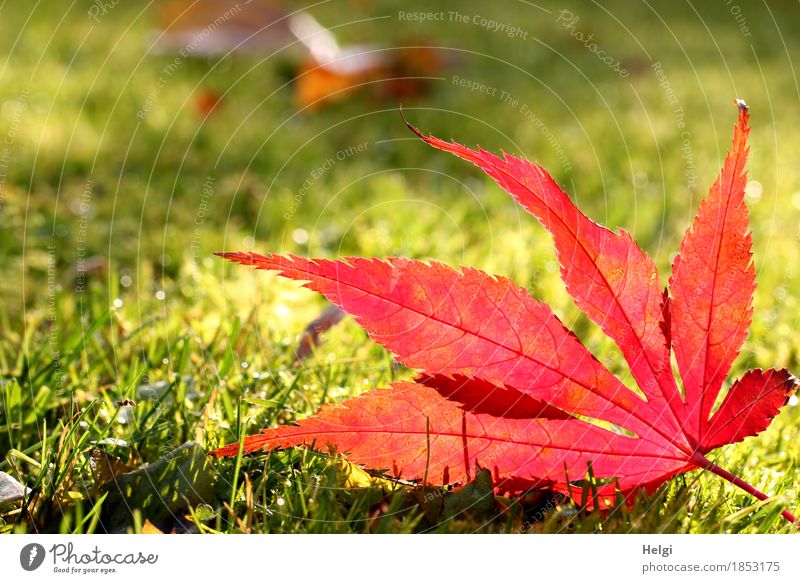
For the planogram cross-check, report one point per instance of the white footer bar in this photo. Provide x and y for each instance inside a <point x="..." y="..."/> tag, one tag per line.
<point x="408" y="558"/>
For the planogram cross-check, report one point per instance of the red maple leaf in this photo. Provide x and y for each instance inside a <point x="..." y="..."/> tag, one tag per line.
<point x="505" y="386"/>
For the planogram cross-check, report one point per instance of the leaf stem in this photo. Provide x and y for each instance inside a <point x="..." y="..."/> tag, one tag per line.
<point x="736" y="481"/>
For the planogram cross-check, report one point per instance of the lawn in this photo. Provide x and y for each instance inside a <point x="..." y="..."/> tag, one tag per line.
<point x="122" y="337"/>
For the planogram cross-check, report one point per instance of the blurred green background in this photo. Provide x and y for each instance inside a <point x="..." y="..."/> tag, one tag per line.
<point x="118" y="180"/>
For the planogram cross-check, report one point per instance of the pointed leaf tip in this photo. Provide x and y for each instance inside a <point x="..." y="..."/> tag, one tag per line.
<point x="409" y="125"/>
<point x="712" y="285"/>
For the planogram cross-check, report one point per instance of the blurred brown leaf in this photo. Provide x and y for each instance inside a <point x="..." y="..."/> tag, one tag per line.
<point x="310" y="338"/>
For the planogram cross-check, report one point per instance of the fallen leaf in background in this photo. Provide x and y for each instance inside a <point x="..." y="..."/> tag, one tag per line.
<point x="324" y="71"/>
<point x="330" y="72"/>
<point x="311" y="335"/>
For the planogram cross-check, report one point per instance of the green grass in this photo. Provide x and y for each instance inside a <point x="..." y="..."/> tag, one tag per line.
<point x="164" y="192"/>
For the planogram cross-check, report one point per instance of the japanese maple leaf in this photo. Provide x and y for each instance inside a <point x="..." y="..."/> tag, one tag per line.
<point x="505" y="386"/>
